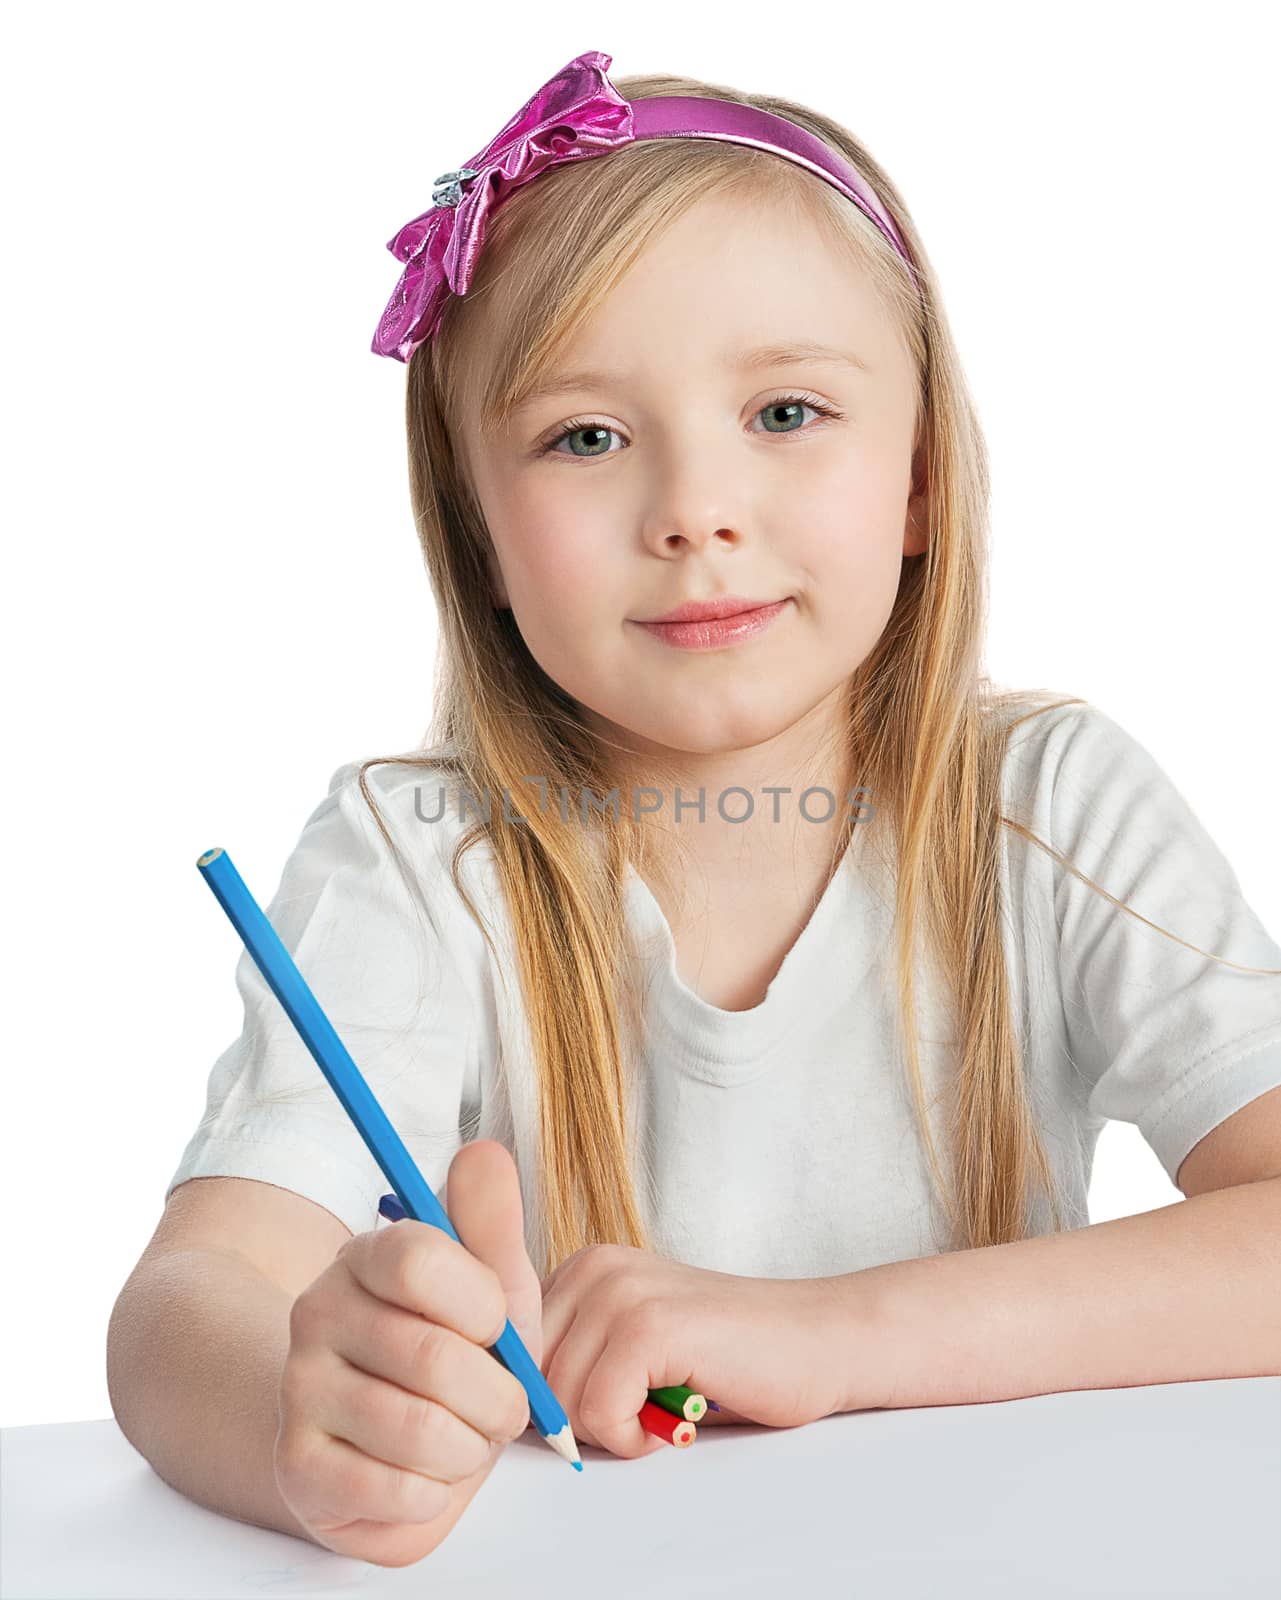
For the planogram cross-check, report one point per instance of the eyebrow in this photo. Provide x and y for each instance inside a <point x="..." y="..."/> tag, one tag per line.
<point x="753" y="360"/>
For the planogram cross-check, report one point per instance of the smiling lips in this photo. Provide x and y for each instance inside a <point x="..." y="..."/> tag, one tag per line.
<point x="713" y="624"/>
<point x="725" y="605"/>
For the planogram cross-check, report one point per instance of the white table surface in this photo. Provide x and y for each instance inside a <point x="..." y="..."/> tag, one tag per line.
<point x="1171" y="1490"/>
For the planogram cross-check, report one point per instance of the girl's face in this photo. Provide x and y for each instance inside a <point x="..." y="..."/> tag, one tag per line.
<point x="677" y="464"/>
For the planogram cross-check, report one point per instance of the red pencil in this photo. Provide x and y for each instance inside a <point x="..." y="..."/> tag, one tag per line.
<point x="676" y="1430"/>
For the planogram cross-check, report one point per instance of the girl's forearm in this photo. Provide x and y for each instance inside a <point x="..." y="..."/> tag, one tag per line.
<point x="1189" y="1291"/>
<point x="195" y="1346"/>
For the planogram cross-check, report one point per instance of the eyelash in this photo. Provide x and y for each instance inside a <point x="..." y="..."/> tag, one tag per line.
<point x="575" y="423"/>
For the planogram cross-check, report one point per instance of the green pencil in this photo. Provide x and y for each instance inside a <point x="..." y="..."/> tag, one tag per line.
<point x="680" y="1401"/>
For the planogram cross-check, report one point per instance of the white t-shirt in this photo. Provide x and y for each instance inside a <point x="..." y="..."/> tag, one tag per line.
<point x="780" y="1141"/>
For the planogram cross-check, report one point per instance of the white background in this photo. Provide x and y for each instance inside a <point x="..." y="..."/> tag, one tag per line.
<point x="215" y="593"/>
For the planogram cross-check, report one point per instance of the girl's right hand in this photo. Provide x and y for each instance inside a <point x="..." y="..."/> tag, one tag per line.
<point x="392" y="1409"/>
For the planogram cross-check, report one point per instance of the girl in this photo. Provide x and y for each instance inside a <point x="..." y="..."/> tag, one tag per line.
<point x="779" y="964"/>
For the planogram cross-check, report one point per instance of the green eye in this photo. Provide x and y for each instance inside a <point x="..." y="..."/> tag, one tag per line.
<point x="775" y="406"/>
<point x="578" y="429"/>
<point x="598" y="434"/>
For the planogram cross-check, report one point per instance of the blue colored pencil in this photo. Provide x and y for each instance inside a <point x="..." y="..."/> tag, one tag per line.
<point x="381" y="1139"/>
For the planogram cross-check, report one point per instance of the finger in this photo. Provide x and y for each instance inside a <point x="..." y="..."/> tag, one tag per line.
<point x="559" y="1310"/>
<point x="488" y="1214"/>
<point x="411" y="1431"/>
<point x="420" y="1268"/>
<point x="574" y="1381"/>
<point x="546" y="1283"/>
<point x="613" y="1392"/>
<point x="487" y="1211"/>
<point x="368" y="1489"/>
<point x="567" y="1368"/>
<point x="433" y="1361"/>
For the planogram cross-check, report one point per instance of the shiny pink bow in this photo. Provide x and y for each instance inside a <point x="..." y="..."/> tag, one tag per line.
<point x="576" y="114"/>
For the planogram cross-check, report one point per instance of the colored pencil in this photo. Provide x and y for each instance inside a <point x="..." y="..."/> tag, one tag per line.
<point x="381" y="1139"/>
<point x="681" y="1401"/>
<point x="676" y="1430"/>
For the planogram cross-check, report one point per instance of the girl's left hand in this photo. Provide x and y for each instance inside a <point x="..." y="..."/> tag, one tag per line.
<point x="618" y="1321"/>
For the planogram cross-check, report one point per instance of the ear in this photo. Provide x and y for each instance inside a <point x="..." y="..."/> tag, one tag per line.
<point x="916" y="537"/>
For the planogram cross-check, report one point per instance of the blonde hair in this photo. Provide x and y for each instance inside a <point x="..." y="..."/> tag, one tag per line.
<point x="925" y="728"/>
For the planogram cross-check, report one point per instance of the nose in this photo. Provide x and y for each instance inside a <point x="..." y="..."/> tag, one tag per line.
<point x="698" y="506"/>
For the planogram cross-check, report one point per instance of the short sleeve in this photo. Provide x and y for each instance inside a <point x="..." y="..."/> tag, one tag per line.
<point x="385" y="961"/>
<point x="1167" y="1039"/>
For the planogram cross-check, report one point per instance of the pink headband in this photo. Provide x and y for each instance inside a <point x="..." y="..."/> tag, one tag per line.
<point x="577" y="114"/>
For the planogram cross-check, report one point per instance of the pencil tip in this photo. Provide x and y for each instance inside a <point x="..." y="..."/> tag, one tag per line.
<point x="563" y="1443"/>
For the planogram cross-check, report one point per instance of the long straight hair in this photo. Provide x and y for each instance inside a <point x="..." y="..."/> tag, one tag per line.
<point x="925" y="729"/>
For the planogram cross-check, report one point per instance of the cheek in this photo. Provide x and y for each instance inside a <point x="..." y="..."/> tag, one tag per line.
<point x="851" y="558"/>
<point x="562" y="570"/>
<point x="569" y="596"/>
<point x="852" y="535"/>
<point x="553" y="557"/>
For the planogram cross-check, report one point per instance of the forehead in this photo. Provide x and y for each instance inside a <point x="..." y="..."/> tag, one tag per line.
<point x="738" y="282"/>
